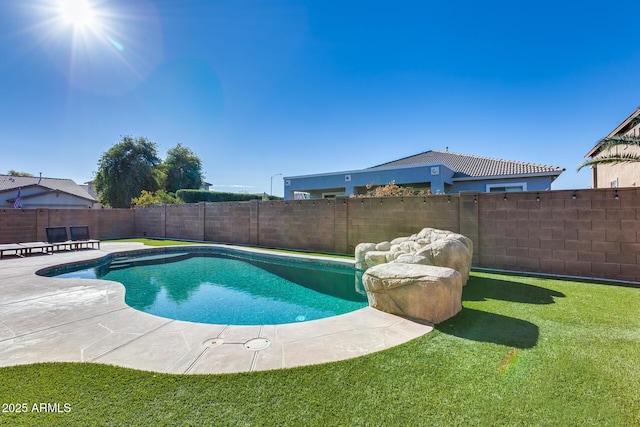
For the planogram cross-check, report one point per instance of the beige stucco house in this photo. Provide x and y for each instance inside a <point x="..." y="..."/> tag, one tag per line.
<point x="621" y="174"/>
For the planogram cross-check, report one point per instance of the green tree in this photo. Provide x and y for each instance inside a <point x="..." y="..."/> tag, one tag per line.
<point x="609" y="150"/>
<point x="18" y="173"/>
<point x="160" y="197"/>
<point x="126" y="169"/>
<point x="183" y="169"/>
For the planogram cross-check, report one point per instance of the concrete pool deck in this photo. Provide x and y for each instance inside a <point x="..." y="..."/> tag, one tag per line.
<point x="46" y="319"/>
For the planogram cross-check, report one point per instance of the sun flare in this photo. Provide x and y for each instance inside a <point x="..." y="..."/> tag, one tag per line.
<point x="78" y="13"/>
<point x="101" y="46"/>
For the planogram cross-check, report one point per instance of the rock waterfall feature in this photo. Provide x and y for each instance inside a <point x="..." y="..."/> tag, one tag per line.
<point x="420" y="276"/>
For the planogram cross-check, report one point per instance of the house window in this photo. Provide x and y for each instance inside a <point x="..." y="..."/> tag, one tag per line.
<point x="507" y="187"/>
<point x="333" y="195"/>
<point x="301" y="195"/>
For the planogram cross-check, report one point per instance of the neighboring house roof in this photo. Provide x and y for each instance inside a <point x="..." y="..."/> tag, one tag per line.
<point x="90" y="190"/>
<point x="469" y="166"/>
<point x="626" y="125"/>
<point x="14" y="183"/>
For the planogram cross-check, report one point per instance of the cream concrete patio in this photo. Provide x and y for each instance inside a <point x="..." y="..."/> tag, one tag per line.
<point x="78" y="320"/>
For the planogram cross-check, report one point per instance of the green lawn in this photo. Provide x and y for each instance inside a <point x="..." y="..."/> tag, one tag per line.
<point x="157" y="242"/>
<point x="160" y="242"/>
<point x="523" y="352"/>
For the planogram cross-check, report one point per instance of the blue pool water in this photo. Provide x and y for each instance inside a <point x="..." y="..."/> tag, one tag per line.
<point x="229" y="289"/>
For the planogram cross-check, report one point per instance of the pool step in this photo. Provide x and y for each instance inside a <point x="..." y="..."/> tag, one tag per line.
<point x="120" y="265"/>
<point x="125" y="262"/>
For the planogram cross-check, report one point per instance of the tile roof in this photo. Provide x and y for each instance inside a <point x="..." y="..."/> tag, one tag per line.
<point x="9" y="182"/>
<point x="468" y="166"/>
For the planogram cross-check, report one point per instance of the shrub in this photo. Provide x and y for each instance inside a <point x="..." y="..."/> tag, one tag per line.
<point x="195" y="196"/>
<point x="392" y="190"/>
<point x="160" y="197"/>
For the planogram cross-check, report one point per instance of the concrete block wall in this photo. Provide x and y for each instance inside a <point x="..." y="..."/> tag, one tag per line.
<point x="228" y="222"/>
<point x="377" y="220"/>
<point x="588" y="233"/>
<point x="111" y="223"/>
<point x="302" y="224"/>
<point x="185" y="221"/>
<point x="150" y="221"/>
<point x="18" y="225"/>
<point x="28" y="225"/>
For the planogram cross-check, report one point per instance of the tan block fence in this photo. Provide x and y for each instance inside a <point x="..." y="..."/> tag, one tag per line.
<point x="587" y="233"/>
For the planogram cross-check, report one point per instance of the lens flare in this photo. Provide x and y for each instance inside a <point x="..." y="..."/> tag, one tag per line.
<point x="102" y="46"/>
<point x="78" y="13"/>
<point x="115" y="44"/>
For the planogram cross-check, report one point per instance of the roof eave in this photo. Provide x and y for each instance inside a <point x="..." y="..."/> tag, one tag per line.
<point x="49" y="191"/>
<point x="595" y="150"/>
<point x="515" y="176"/>
<point x="376" y="168"/>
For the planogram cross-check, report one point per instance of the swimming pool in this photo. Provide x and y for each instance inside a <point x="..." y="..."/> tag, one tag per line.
<point x="225" y="286"/>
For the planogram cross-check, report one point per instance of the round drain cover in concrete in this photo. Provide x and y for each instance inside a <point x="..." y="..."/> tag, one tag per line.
<point x="213" y="342"/>
<point x="257" y="344"/>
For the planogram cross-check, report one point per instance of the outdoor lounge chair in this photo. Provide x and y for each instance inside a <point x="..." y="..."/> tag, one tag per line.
<point x="80" y="236"/>
<point x="12" y="247"/>
<point x="57" y="236"/>
<point x="29" y="247"/>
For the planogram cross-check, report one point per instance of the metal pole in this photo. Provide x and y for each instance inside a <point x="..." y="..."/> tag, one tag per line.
<point x="271" y="191"/>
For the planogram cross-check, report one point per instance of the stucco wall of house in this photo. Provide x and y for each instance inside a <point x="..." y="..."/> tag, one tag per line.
<point x="355" y="182"/>
<point x="351" y="181"/>
<point x="620" y="175"/>
<point x="44" y="200"/>
<point x="542" y="183"/>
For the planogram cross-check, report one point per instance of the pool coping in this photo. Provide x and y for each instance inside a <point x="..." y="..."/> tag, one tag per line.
<point x="45" y="319"/>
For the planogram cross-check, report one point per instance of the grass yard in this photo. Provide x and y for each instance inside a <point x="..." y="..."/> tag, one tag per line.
<point x="160" y="242"/>
<point x="523" y="352"/>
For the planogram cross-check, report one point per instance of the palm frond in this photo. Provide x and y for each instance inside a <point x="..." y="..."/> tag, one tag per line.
<point x="611" y="159"/>
<point x="618" y="140"/>
<point x="612" y="142"/>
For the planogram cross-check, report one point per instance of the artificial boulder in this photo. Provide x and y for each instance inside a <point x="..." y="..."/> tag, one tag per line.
<point x="374" y="258"/>
<point x="361" y="251"/>
<point x="441" y="248"/>
<point x="422" y="292"/>
<point x="420" y="276"/>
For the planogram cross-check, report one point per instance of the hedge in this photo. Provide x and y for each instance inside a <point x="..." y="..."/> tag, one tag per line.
<point x="195" y="196"/>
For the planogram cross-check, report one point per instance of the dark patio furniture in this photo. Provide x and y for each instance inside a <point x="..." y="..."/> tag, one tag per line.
<point x="12" y="247"/>
<point x="57" y="236"/>
<point x="80" y="236"/>
<point x="29" y="247"/>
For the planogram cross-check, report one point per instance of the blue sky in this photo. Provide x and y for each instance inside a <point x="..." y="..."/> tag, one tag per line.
<point x="257" y="88"/>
